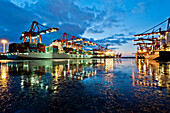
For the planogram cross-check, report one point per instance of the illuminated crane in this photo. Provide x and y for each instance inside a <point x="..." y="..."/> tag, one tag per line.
<point x="34" y="32"/>
<point x="67" y="40"/>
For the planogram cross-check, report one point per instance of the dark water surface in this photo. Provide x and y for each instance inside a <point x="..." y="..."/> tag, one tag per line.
<point x="84" y="85"/>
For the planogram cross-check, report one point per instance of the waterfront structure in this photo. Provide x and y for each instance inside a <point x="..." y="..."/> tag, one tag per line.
<point x="155" y="44"/>
<point x="66" y="47"/>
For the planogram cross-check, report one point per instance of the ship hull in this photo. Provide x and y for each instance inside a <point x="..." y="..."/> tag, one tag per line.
<point x="33" y="55"/>
<point x="151" y="56"/>
<point x="140" y="56"/>
<point x="159" y="55"/>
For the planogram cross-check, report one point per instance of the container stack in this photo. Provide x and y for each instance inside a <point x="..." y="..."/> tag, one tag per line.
<point x="32" y="46"/>
<point x="80" y="51"/>
<point x="55" y="49"/>
<point x="67" y="50"/>
<point x="47" y="48"/>
<point x="41" y="47"/>
<point x="15" y="47"/>
<point x="74" y="51"/>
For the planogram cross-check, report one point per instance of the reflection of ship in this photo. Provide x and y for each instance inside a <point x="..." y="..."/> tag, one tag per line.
<point x="154" y="48"/>
<point x="66" y="47"/>
<point x="33" y="73"/>
<point x="152" y="73"/>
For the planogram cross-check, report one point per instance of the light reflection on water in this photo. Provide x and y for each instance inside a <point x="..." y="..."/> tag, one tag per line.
<point x="84" y="85"/>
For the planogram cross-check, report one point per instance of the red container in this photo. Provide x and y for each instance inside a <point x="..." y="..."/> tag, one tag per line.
<point x="41" y="46"/>
<point x="55" y="46"/>
<point x="41" y="49"/>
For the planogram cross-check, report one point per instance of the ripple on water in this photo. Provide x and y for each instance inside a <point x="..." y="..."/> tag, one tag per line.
<point x="83" y="86"/>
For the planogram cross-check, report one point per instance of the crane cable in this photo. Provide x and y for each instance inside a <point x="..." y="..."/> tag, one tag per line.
<point x="44" y="26"/>
<point x="154" y="26"/>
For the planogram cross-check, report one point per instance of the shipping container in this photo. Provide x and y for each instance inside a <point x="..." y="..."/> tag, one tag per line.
<point x="14" y="47"/>
<point x="32" y="44"/>
<point x="54" y="46"/>
<point x="41" y="47"/>
<point x="74" y="49"/>
<point x="55" y="49"/>
<point x="47" y="49"/>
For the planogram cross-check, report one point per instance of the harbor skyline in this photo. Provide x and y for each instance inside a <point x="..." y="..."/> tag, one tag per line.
<point x="110" y="22"/>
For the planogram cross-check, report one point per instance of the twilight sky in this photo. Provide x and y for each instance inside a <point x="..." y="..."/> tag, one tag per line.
<point x="101" y="21"/>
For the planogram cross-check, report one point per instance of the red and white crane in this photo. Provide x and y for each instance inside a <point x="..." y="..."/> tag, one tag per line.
<point x="34" y="33"/>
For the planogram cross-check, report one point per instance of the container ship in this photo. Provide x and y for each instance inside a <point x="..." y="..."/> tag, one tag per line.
<point x="65" y="47"/>
<point x="155" y="44"/>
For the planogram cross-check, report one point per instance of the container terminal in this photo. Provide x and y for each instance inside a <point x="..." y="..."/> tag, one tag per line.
<point x="67" y="46"/>
<point x="155" y="44"/>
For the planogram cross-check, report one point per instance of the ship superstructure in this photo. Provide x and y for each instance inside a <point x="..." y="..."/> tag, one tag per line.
<point x="156" y="45"/>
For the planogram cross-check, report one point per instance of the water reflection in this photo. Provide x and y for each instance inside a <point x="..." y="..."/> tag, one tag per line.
<point x="84" y="85"/>
<point x="152" y="73"/>
<point x="32" y="73"/>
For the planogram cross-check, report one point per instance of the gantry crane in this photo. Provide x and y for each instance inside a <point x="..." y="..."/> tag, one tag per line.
<point x="67" y="40"/>
<point x="159" y="32"/>
<point x="34" y="32"/>
<point x="155" y="42"/>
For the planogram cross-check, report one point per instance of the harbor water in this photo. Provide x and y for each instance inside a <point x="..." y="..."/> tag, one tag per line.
<point x="84" y="85"/>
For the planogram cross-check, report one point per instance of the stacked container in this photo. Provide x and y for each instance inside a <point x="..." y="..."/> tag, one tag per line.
<point x="15" y="47"/>
<point x="55" y="49"/>
<point x="47" y="48"/>
<point x="80" y="51"/>
<point x="89" y="52"/>
<point x="41" y="47"/>
<point x="12" y="47"/>
<point x="67" y="50"/>
<point x="32" y="46"/>
<point x="74" y="51"/>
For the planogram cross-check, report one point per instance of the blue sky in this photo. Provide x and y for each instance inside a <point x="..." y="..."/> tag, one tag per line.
<point x="102" y="21"/>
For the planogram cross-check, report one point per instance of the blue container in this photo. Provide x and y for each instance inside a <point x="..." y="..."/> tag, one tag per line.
<point x="33" y="50"/>
<point x="55" y="49"/>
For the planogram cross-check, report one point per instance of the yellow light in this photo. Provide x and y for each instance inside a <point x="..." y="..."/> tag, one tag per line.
<point x="3" y="72"/>
<point x="4" y="41"/>
<point x="144" y="50"/>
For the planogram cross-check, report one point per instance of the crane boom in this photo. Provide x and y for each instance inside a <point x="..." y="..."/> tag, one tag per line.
<point x="34" y="32"/>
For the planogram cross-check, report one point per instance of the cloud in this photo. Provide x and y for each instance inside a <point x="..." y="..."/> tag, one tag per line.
<point x="119" y="35"/>
<point x="113" y="48"/>
<point x="140" y="8"/>
<point x="95" y="31"/>
<point x="69" y="16"/>
<point x="73" y="29"/>
<point x="114" y="41"/>
<point x="23" y="3"/>
<point x="13" y="20"/>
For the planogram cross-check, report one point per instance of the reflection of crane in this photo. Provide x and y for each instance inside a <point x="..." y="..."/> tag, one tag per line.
<point x="34" y="32"/>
